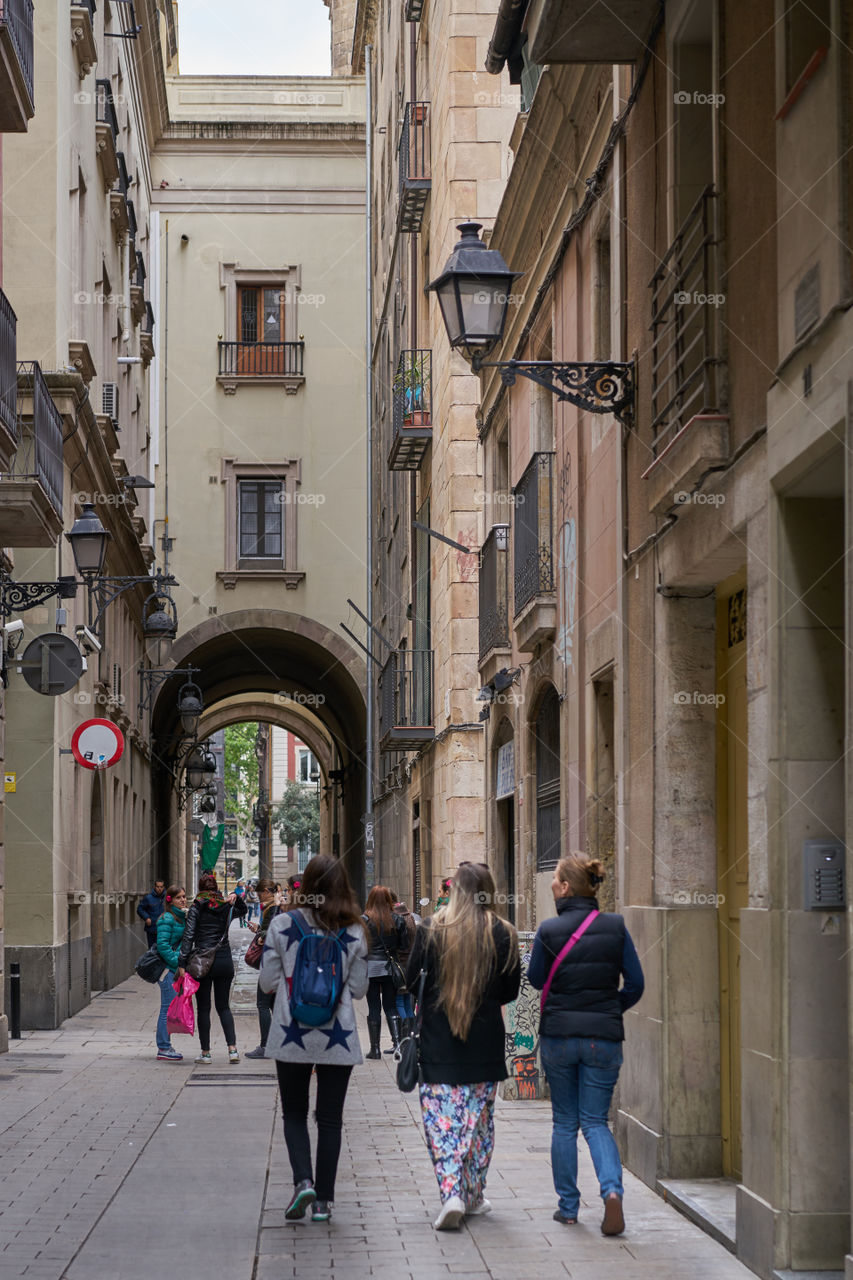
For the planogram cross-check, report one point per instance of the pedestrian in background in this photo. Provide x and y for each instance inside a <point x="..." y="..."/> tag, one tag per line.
<point x="264" y="999"/>
<point x="208" y="922"/>
<point x="252" y="901"/>
<point x="170" y="930"/>
<point x="388" y="937"/>
<point x="150" y="908"/>
<point x="581" y="1032"/>
<point x="325" y="903"/>
<point x="405" y="1004"/>
<point x="471" y="961"/>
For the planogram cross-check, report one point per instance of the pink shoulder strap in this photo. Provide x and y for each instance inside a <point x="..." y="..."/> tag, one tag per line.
<point x="578" y="933"/>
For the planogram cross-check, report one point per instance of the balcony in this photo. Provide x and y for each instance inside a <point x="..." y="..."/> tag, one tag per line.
<point x="137" y="289"/>
<point x="131" y="220"/>
<point x="580" y="31"/>
<point x="412" y="411"/>
<point x="405" y="701"/>
<point x="119" y="202"/>
<point x="31" y="489"/>
<point x="146" y="335"/>
<point x="533" y="554"/>
<point x="83" y="35"/>
<point x="8" y="384"/>
<point x="415" y="165"/>
<point x="689" y="421"/>
<point x="494" y="594"/>
<point x="16" y="65"/>
<point x="106" y="133"/>
<point x="260" y="363"/>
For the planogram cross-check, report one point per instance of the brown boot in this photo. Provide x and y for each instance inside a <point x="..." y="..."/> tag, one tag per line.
<point x="613" y="1223"/>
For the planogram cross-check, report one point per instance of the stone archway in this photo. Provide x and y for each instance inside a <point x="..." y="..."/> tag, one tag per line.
<point x="289" y="670"/>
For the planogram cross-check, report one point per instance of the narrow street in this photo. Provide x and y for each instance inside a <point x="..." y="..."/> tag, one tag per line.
<point x="118" y="1167"/>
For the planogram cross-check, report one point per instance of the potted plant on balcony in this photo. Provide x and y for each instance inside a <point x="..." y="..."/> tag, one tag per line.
<point x="412" y="387"/>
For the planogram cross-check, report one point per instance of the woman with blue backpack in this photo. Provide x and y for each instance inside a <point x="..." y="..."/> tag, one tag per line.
<point x="315" y="959"/>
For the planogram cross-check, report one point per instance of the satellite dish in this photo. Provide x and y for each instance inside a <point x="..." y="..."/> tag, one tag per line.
<point x="51" y="664"/>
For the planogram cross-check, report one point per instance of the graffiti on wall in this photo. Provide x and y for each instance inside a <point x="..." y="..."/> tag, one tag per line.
<point x="522" y="1035"/>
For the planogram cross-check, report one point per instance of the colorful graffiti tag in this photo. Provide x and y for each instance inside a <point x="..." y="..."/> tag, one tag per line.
<point x="522" y="1036"/>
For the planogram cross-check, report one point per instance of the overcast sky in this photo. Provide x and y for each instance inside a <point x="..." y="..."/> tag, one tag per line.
<point x="254" y="37"/>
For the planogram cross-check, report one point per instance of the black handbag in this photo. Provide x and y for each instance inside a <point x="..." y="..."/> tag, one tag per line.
<point x="200" y="962"/>
<point x="408" y="1054"/>
<point x="395" y="972"/>
<point x="150" y="966"/>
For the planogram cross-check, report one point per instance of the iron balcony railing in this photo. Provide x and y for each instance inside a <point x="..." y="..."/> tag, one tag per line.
<point x="686" y="325"/>
<point x="86" y="4"/>
<point x="405" y="699"/>
<point x="105" y="110"/>
<point x="123" y="183"/>
<point x="39" y="455"/>
<point x="147" y="325"/>
<point x="17" y="18"/>
<point x="261" y="359"/>
<point x="412" y="410"/>
<point x="533" y="525"/>
<point x="415" y="165"/>
<point x="494" y="591"/>
<point x="131" y="219"/>
<point x="139" y="271"/>
<point x="8" y="367"/>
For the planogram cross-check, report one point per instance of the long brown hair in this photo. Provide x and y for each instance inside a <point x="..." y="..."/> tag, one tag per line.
<point x="326" y="890"/>
<point x="172" y="893"/>
<point x="380" y="908"/>
<point x="463" y="934"/>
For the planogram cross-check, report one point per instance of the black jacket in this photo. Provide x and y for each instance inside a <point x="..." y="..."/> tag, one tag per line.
<point x="207" y="926"/>
<point x="445" y="1059"/>
<point x="381" y="944"/>
<point x="585" y="999"/>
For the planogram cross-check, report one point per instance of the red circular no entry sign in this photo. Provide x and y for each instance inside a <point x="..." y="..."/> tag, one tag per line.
<point x="96" y="744"/>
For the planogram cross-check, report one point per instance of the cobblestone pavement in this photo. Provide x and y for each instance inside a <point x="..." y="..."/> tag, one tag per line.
<point x="114" y="1166"/>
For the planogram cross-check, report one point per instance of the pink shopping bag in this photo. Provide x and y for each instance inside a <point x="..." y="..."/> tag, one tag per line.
<point x="180" y="1018"/>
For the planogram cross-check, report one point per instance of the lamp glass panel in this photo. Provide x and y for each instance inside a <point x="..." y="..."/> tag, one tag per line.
<point x="450" y="313"/>
<point x="483" y="303"/>
<point x="89" y="550"/>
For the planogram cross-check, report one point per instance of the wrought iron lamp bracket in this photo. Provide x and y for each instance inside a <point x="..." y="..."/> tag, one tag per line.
<point x="105" y="590"/>
<point x="600" y="386"/>
<point x="18" y="597"/>
<point x="151" y="678"/>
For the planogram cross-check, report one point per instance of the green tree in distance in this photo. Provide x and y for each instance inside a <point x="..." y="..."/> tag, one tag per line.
<point x="241" y="776"/>
<point x="297" y="816"/>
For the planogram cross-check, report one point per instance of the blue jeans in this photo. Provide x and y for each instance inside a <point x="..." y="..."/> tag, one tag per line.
<point x="167" y="995"/>
<point x="582" y="1075"/>
<point x="405" y="1005"/>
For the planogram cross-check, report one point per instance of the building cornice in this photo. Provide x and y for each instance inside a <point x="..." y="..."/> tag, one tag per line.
<point x="365" y="25"/>
<point x="241" y="132"/>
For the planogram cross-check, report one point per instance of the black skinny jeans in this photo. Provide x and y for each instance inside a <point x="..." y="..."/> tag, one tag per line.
<point x="265" y="1001"/>
<point x="294" y="1080"/>
<point x="381" y="991"/>
<point x="218" y="979"/>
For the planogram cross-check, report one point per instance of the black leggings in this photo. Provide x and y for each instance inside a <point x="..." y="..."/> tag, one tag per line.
<point x="264" y="1001"/>
<point x="294" y="1080"/>
<point x="219" y="978"/>
<point x="381" y="991"/>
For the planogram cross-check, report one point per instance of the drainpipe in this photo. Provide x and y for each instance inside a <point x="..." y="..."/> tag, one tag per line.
<point x="369" y="864"/>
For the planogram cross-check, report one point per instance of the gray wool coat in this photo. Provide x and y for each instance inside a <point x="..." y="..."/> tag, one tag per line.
<point x="336" y="1043"/>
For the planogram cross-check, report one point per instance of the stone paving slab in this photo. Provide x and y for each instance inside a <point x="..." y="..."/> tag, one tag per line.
<point x="117" y="1167"/>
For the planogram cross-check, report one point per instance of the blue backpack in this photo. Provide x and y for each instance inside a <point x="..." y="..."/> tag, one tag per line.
<point x="317" y="975"/>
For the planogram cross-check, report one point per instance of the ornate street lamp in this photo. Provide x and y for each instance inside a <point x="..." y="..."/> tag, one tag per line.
<point x="88" y="539"/>
<point x="190" y="707"/>
<point x="474" y="293"/>
<point x="199" y="768"/>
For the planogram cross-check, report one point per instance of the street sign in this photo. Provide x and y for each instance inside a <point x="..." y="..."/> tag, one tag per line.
<point x="10" y="782"/>
<point x="97" y="744"/>
<point x="51" y="664"/>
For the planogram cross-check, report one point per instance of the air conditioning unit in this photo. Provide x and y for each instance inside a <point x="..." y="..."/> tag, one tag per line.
<point x="109" y="402"/>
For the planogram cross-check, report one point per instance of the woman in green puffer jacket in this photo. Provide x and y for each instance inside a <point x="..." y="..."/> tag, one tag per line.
<point x="170" y="930"/>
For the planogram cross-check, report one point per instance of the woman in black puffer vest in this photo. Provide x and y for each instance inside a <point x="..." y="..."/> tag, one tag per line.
<point x="580" y="1030"/>
<point x="386" y="936"/>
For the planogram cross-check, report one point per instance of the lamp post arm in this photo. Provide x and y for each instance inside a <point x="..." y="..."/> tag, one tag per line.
<point x="598" y="386"/>
<point x="18" y="597"/>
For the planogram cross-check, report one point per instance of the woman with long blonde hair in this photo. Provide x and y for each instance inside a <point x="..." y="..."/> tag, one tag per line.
<point x="470" y="960"/>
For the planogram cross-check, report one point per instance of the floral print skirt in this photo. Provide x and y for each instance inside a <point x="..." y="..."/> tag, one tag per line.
<point x="459" y="1123"/>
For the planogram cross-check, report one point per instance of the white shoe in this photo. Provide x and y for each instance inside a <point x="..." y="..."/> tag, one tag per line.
<point x="485" y="1206"/>
<point x="452" y="1213"/>
<point x="204" y="1058"/>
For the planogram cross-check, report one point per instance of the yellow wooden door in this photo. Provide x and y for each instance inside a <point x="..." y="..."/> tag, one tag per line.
<point x="732" y="850"/>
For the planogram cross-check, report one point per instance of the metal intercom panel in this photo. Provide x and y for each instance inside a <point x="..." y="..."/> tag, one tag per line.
<point x="823" y="875"/>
